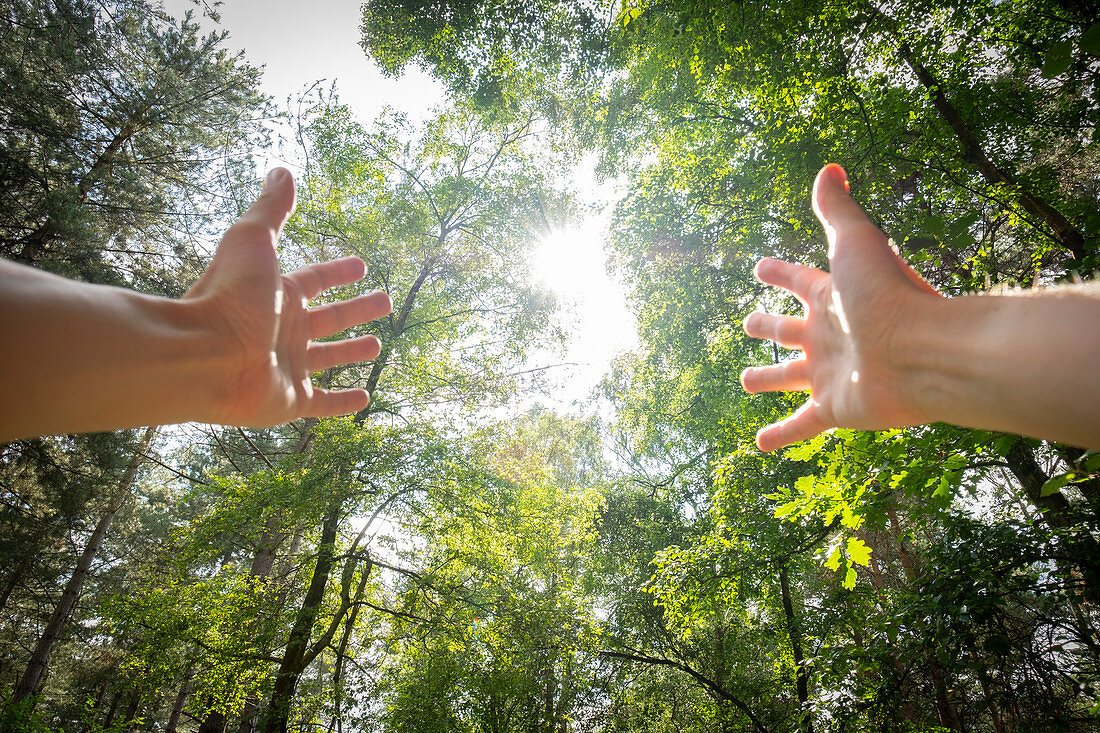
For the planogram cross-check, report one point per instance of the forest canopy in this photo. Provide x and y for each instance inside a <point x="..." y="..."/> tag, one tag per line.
<point x="463" y="555"/>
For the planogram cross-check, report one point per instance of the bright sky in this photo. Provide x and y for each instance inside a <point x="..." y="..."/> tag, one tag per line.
<point x="299" y="43"/>
<point x="573" y="264"/>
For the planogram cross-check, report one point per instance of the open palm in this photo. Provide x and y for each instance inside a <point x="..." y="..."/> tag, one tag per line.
<point x="268" y="327"/>
<point x="853" y="316"/>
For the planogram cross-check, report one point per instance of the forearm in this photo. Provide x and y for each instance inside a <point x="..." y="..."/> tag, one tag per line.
<point x="1026" y="364"/>
<point x="85" y="357"/>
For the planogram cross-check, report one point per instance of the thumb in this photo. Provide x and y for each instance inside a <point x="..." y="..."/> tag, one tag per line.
<point x="848" y="227"/>
<point x="835" y="209"/>
<point x="248" y="246"/>
<point x="274" y="205"/>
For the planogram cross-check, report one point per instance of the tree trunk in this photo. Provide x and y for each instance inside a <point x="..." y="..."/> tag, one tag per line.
<point x="905" y="710"/>
<point x="249" y="712"/>
<point x="113" y="710"/>
<point x="263" y="561"/>
<point x="1064" y="232"/>
<point x="274" y="534"/>
<point x="181" y="700"/>
<point x="132" y="710"/>
<point x="40" y="659"/>
<point x="945" y="709"/>
<point x="338" y="668"/>
<point x="294" y="656"/>
<point x="35" y="243"/>
<point x="214" y="722"/>
<point x="1083" y="549"/>
<point x="275" y="718"/>
<point x="995" y="716"/>
<point x="802" y="672"/>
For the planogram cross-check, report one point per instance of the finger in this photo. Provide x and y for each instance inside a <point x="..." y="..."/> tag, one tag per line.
<point x="798" y="279"/>
<point x="328" y="403"/>
<point x="334" y="353"/>
<point x="832" y="203"/>
<point x="791" y="376"/>
<point x="838" y="213"/>
<point x="268" y="213"/>
<point x="315" y="279"/>
<point x="331" y="319"/>
<point x="784" y="330"/>
<point x="247" y="250"/>
<point x="804" y="424"/>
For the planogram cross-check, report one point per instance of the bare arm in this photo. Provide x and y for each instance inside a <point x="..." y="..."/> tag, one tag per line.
<point x="882" y="349"/>
<point x="236" y="349"/>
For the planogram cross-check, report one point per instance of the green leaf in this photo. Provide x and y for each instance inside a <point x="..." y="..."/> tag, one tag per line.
<point x="897" y="478"/>
<point x="1092" y="224"/>
<point x="1054" y="485"/>
<point x="1058" y="59"/>
<point x="955" y="462"/>
<point x="849" y="518"/>
<point x="1090" y="40"/>
<point x="1003" y="444"/>
<point x="787" y="509"/>
<point x="934" y="225"/>
<point x="961" y="226"/>
<point x="807" y="450"/>
<point x="628" y="14"/>
<point x="850" y="579"/>
<point x="858" y="551"/>
<point x="833" y="562"/>
<point x="943" y="488"/>
<point x="804" y="485"/>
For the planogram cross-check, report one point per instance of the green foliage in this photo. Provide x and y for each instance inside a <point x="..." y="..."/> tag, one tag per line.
<point x="21" y="717"/>
<point x="114" y="114"/>
<point x="953" y="121"/>
<point x="497" y="53"/>
<point x="445" y="216"/>
<point x="510" y="638"/>
<point x="429" y="565"/>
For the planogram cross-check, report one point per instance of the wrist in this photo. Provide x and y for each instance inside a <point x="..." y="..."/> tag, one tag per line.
<point x="91" y="357"/>
<point x="165" y="358"/>
<point x="202" y="354"/>
<point x="933" y="348"/>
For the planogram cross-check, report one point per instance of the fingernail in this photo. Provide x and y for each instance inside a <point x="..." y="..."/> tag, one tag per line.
<point x="275" y="175"/>
<point x="840" y="176"/>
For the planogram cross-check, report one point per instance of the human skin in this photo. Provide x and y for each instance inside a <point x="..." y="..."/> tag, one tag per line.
<point x="882" y="349"/>
<point x="237" y="349"/>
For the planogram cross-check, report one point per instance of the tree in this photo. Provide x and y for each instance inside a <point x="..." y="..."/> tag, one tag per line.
<point x="32" y="676"/>
<point x="448" y="239"/>
<point x="119" y="122"/>
<point x="448" y="217"/>
<point x="124" y="140"/>
<point x="499" y="626"/>
<point x="967" y="130"/>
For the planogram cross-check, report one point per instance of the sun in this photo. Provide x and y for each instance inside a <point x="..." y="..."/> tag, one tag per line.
<point x="573" y="264"/>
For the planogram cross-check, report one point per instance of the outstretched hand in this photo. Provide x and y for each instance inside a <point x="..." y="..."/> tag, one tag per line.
<point x="269" y="326"/>
<point x="853" y="317"/>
